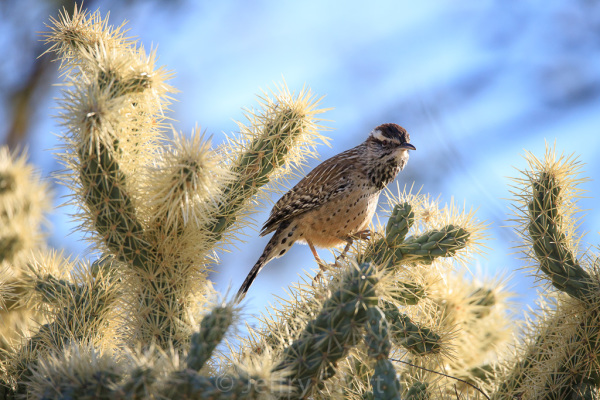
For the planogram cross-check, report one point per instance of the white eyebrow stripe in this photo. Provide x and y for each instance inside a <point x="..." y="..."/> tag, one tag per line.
<point x="377" y="134"/>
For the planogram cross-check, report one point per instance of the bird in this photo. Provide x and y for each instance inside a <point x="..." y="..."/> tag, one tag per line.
<point x="335" y="202"/>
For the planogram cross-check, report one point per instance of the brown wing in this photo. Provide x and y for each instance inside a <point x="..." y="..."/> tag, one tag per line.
<point x="325" y="182"/>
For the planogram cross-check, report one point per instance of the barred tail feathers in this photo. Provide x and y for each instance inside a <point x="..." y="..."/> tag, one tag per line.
<point x="280" y="242"/>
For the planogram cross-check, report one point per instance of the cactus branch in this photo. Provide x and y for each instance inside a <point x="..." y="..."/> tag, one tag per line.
<point x="384" y="380"/>
<point x="424" y="248"/>
<point x="419" y="340"/>
<point x="188" y="384"/>
<point x="285" y="124"/>
<point x="312" y="357"/>
<point x="211" y="333"/>
<point x="549" y="242"/>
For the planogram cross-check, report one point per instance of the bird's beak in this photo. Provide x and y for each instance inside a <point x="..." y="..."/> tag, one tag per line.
<point x="407" y="146"/>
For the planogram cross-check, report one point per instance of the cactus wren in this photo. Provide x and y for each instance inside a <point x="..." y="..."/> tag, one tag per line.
<point x="336" y="201"/>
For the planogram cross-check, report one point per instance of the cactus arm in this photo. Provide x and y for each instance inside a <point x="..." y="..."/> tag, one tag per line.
<point x="419" y="340"/>
<point x="384" y="381"/>
<point x="312" y="357"/>
<point x="549" y="242"/>
<point x="212" y="330"/>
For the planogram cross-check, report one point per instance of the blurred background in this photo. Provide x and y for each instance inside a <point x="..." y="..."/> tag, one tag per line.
<point x="476" y="83"/>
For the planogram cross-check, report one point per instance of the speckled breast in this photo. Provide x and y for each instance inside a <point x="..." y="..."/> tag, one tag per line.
<point x="344" y="216"/>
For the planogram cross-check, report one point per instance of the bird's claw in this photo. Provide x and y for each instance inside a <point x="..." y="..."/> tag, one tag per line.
<point x="340" y="257"/>
<point x="362" y="235"/>
<point x="323" y="267"/>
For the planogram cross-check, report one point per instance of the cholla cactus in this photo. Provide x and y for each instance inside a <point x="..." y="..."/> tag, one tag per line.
<point x="558" y="358"/>
<point x="161" y="207"/>
<point x="80" y="306"/>
<point x="24" y="200"/>
<point x="394" y="319"/>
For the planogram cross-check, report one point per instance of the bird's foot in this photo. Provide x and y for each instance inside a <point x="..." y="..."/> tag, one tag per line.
<point x="362" y="235"/>
<point x="323" y="267"/>
<point x="339" y="258"/>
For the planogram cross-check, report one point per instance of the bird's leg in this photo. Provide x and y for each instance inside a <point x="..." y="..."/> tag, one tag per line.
<point x="349" y="242"/>
<point x="322" y="265"/>
<point x="361" y="235"/>
<point x="314" y="251"/>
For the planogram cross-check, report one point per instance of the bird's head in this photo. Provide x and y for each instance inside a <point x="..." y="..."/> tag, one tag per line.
<point x="390" y="141"/>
